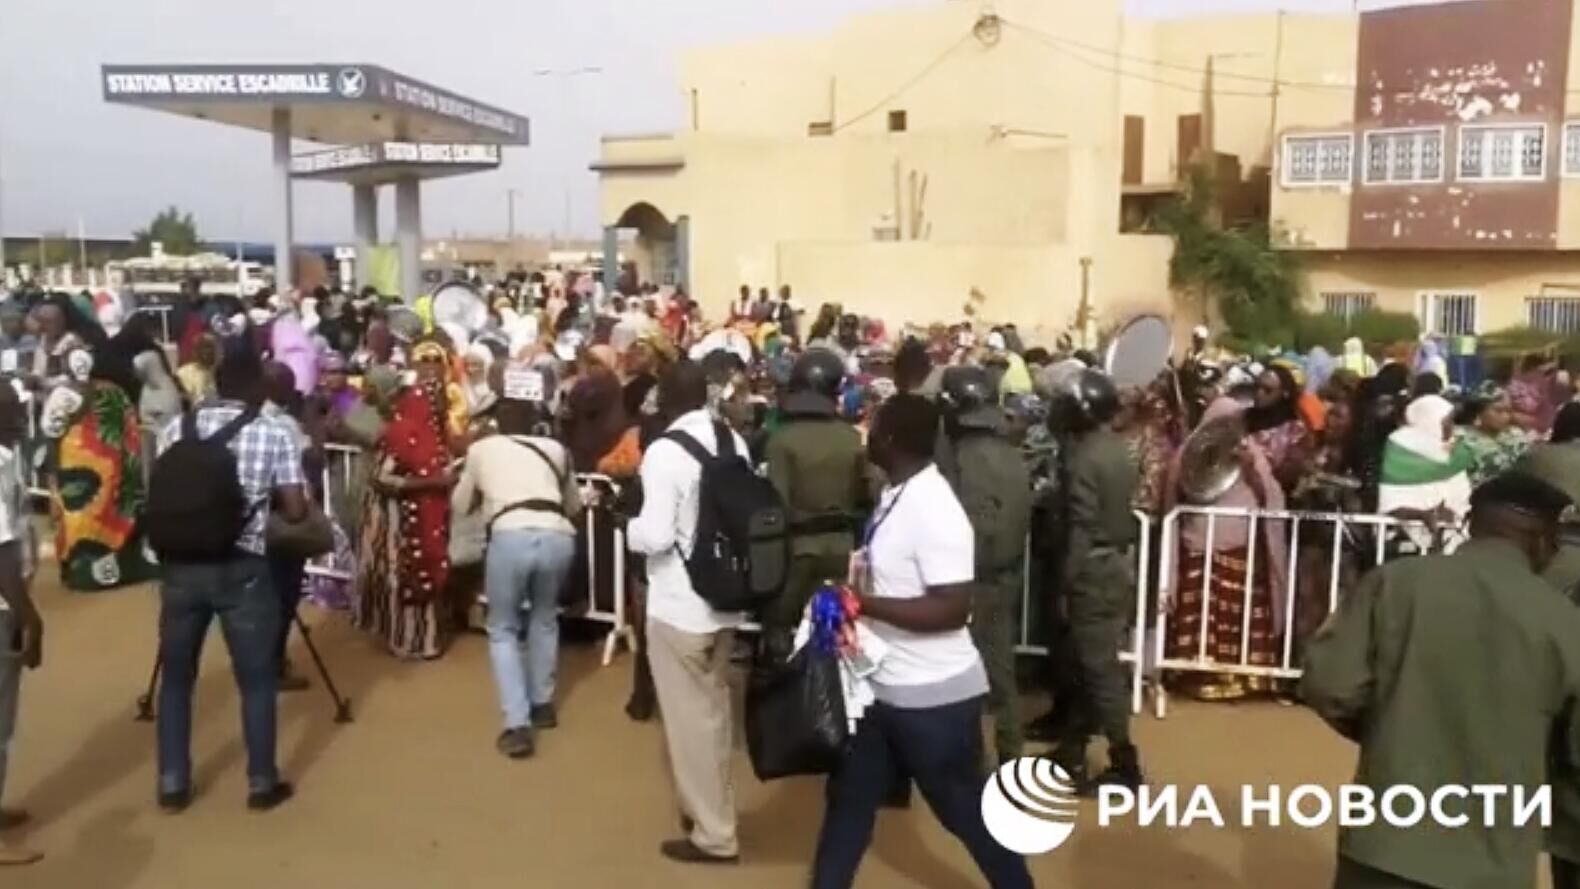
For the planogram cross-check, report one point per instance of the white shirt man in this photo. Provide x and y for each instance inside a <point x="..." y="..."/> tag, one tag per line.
<point x="922" y="538"/>
<point x="688" y="643"/>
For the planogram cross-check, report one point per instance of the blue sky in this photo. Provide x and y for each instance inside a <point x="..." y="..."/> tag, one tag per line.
<point x="65" y="155"/>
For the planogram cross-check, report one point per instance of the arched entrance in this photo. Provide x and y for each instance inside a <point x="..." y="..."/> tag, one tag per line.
<point x="659" y="254"/>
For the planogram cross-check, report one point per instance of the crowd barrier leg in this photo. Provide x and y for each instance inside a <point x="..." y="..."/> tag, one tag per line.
<point x="1139" y="632"/>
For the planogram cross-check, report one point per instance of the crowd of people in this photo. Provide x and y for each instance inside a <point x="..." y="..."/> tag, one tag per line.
<point x="913" y="464"/>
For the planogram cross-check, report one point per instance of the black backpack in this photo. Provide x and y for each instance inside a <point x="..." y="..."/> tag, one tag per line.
<point x="742" y="551"/>
<point x="196" y="507"/>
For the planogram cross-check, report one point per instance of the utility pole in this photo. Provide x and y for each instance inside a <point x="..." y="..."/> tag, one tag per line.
<point x="510" y="223"/>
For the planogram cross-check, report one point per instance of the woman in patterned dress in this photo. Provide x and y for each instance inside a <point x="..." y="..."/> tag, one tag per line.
<point x="1489" y="435"/>
<point x="403" y="561"/>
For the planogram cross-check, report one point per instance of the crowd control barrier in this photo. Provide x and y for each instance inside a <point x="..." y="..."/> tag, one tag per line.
<point x="1344" y="541"/>
<point x="341" y="474"/>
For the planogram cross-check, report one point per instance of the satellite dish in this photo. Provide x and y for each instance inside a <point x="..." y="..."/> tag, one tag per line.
<point x="1139" y="351"/>
<point x="1210" y="460"/>
<point x="457" y="302"/>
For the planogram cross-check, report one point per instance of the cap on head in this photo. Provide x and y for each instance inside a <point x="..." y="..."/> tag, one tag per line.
<point x="1523" y="493"/>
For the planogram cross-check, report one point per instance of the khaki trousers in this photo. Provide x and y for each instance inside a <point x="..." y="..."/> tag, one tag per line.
<point x="690" y="676"/>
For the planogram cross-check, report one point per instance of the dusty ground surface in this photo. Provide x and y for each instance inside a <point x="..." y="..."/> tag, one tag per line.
<point x="413" y="794"/>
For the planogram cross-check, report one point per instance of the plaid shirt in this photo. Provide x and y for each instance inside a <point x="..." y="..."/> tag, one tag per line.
<point x="267" y="457"/>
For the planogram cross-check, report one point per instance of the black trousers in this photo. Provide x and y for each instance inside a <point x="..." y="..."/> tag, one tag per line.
<point x="286" y="574"/>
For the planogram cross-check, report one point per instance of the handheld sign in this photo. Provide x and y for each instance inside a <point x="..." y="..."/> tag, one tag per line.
<point x="522" y="383"/>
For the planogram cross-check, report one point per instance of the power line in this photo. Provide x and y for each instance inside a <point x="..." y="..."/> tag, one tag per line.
<point x="902" y="88"/>
<point x="1189" y="69"/>
<point x="1134" y="75"/>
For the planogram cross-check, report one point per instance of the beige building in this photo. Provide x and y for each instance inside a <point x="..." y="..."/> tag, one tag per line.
<point x="912" y="162"/>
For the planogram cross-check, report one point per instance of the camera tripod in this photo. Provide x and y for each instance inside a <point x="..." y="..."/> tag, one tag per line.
<point x="145" y="703"/>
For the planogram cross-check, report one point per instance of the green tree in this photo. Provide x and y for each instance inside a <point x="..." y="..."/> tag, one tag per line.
<point x="171" y="228"/>
<point x="1254" y="286"/>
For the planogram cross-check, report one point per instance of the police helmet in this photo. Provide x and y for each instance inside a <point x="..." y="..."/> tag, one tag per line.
<point x="970" y="399"/>
<point x="1091" y="399"/>
<point x="814" y="384"/>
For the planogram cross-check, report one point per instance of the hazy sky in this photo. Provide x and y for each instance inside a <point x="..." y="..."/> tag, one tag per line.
<point x="65" y="154"/>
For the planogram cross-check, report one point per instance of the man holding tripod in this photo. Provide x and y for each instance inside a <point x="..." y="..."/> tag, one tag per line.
<point x="208" y="505"/>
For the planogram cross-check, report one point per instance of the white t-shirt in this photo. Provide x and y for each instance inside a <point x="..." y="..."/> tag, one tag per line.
<point x="922" y="537"/>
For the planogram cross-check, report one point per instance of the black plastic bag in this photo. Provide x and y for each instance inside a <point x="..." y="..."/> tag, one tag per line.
<point x="795" y="716"/>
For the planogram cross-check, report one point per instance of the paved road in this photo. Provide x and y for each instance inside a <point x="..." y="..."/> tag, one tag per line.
<point x="413" y="794"/>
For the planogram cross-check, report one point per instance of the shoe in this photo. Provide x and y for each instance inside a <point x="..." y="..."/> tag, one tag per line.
<point x="515" y="743"/>
<point x="10" y="819"/>
<point x="545" y="716"/>
<point x="16" y="856"/>
<point x="174" y="802"/>
<point x="639" y="709"/>
<point x="1124" y="770"/>
<point x="686" y="852"/>
<point x="294" y="682"/>
<point x="268" y="800"/>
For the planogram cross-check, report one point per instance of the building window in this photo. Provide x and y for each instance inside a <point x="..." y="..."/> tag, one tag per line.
<point x="1503" y="153"/>
<point x="820" y="128"/>
<point x="1404" y="156"/>
<point x="1553" y="314"/>
<point x="1448" y="314"/>
<point x="1572" y="149"/>
<point x="1317" y="160"/>
<point x="1348" y="305"/>
<point x="897" y="121"/>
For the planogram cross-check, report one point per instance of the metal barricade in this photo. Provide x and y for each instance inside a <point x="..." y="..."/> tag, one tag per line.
<point x="619" y="627"/>
<point x="1134" y="655"/>
<point x="340" y="460"/>
<point x="1203" y="661"/>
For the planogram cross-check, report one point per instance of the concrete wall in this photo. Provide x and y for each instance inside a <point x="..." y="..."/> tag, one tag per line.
<point x="1036" y="286"/>
<point x="1502" y="281"/>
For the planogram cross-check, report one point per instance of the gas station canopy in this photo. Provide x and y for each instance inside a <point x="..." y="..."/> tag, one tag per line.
<point x="335" y="103"/>
<point x="383" y="163"/>
<point x="392" y="129"/>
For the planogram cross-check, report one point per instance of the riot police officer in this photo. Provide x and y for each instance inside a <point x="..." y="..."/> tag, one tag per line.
<point x="1098" y="576"/>
<point x="816" y="462"/>
<point x="993" y="483"/>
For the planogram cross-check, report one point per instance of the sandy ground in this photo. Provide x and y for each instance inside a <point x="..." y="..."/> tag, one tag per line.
<point x="413" y="794"/>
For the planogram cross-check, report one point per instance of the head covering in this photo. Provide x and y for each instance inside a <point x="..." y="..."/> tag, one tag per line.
<point x="332" y="362"/>
<point x="1422" y="432"/>
<point x="1319" y="368"/>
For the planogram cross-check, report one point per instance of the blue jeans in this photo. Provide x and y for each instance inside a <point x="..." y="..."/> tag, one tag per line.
<point x="941" y="749"/>
<point x="240" y="594"/>
<point x="523" y="572"/>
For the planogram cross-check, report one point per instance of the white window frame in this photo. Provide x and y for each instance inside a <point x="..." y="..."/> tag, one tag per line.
<point x="1349" y="297"/>
<point x="1569" y="300"/>
<point x="1519" y="152"/>
<point x="1366" y="152"/>
<point x="1571" y="137"/>
<point x="1427" y="311"/>
<point x="1284" y="165"/>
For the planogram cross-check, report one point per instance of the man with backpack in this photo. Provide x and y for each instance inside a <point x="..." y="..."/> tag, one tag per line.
<point x="528" y="495"/>
<point x="696" y="596"/>
<point x="208" y="505"/>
